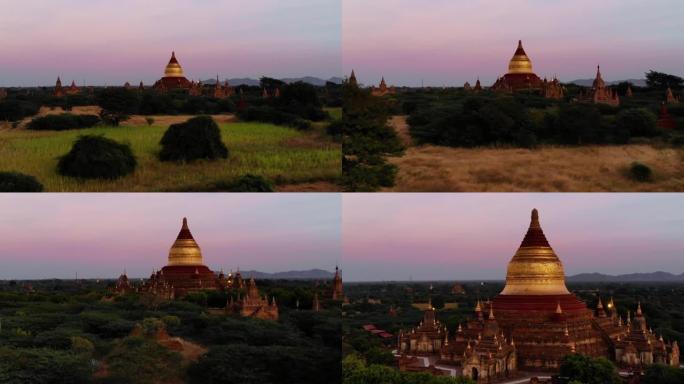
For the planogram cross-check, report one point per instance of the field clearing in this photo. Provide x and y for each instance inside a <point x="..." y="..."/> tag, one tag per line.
<point x="286" y="156"/>
<point x="546" y="169"/>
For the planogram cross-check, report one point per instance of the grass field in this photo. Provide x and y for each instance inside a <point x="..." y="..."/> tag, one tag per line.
<point x="285" y="156"/>
<point x="546" y="169"/>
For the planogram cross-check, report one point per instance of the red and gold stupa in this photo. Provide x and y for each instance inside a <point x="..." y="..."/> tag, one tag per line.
<point x="185" y="271"/>
<point x="520" y="74"/>
<point x="173" y="76"/>
<point x="536" y="309"/>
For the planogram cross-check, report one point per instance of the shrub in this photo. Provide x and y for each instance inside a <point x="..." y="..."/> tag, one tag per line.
<point x="197" y="138"/>
<point x="640" y="172"/>
<point x="19" y="182"/>
<point x="63" y="122"/>
<point x="638" y="121"/>
<point x="250" y="183"/>
<point x="149" y="121"/>
<point x="97" y="157"/>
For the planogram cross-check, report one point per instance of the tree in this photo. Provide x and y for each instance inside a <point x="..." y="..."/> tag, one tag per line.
<point x="141" y="361"/>
<point x="663" y="374"/>
<point x="97" y="157"/>
<point x="661" y="81"/>
<point x="366" y="141"/>
<point x="637" y="122"/>
<point x="588" y="370"/>
<point x="43" y="366"/>
<point x="197" y="138"/>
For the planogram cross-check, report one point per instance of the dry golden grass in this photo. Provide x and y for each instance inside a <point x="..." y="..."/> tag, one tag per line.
<point x="548" y="169"/>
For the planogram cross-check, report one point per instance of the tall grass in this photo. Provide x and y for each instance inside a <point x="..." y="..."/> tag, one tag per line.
<point x="281" y="154"/>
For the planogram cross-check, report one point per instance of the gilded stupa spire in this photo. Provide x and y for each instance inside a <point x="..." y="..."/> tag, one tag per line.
<point x="173" y="68"/>
<point x="185" y="250"/>
<point x="535" y="269"/>
<point x="520" y="63"/>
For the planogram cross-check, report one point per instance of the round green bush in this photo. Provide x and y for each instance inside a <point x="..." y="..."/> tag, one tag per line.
<point x="97" y="157"/>
<point x="19" y="182"/>
<point x="640" y="172"/>
<point x="197" y="138"/>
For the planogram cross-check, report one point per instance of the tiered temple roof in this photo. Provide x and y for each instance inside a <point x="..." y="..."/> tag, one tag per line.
<point x="520" y="74"/>
<point x="173" y="76"/>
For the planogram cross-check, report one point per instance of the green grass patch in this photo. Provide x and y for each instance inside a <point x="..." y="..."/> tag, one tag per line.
<point x="335" y="113"/>
<point x="281" y="154"/>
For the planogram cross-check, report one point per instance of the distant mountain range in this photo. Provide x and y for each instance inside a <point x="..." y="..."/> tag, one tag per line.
<point x="255" y="82"/>
<point x="590" y="82"/>
<point x="660" y="276"/>
<point x="311" y="274"/>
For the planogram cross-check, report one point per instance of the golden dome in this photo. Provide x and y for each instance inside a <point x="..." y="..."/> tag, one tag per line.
<point x="185" y="250"/>
<point x="173" y="68"/>
<point x="520" y="63"/>
<point x="535" y="269"/>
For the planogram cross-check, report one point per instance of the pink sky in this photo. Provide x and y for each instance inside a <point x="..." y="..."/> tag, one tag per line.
<point x="448" y="42"/>
<point x="98" y="235"/>
<point x="111" y="42"/>
<point x="473" y="236"/>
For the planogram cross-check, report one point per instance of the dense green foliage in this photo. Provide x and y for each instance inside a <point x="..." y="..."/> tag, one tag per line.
<point x="356" y="371"/>
<point x="43" y="366"/>
<point x="662" y="81"/>
<point x="588" y="370"/>
<point x="56" y="331"/>
<point x="197" y="138"/>
<point x="663" y="374"/>
<point x="19" y="182"/>
<point x="63" y="122"/>
<point x="366" y="141"/>
<point x="97" y="157"/>
<point x="120" y="102"/>
<point x="485" y="120"/>
<point x="297" y="105"/>
<point x="454" y="117"/>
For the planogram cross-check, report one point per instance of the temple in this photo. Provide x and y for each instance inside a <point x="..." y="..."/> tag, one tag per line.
<point x="670" y="97"/>
<point x="253" y="305"/>
<point x="70" y="90"/>
<point x="665" y="121"/>
<point x="520" y="74"/>
<point x="531" y="326"/>
<point x="173" y="77"/>
<point x="383" y="89"/>
<point x="337" y="293"/>
<point x="352" y="80"/>
<point x="222" y="91"/>
<point x="521" y="77"/>
<point x="185" y="271"/>
<point x="602" y="94"/>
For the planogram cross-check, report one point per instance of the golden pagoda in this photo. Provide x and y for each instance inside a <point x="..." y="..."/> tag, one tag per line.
<point x="173" y="76"/>
<point x="520" y="63"/>
<point x="173" y="68"/>
<point x="520" y="74"/>
<point x="185" y="250"/>
<point x="535" y="269"/>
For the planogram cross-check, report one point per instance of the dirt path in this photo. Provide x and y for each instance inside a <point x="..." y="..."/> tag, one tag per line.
<point x="548" y="169"/>
<point x="402" y="128"/>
